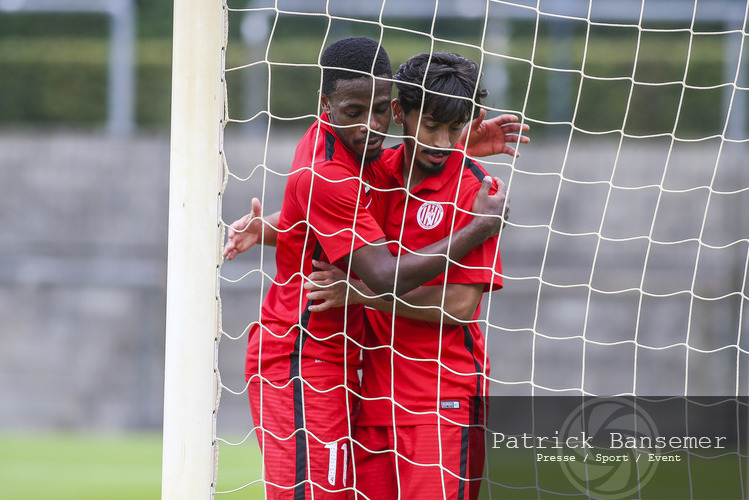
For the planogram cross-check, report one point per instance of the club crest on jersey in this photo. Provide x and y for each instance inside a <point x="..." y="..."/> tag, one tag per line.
<point x="429" y="215"/>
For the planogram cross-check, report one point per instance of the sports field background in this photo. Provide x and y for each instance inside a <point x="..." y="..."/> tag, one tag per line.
<point x="66" y="466"/>
<point x="80" y="466"/>
<point x="83" y="218"/>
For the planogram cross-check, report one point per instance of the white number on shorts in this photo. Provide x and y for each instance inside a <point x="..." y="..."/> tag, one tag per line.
<point x="333" y="461"/>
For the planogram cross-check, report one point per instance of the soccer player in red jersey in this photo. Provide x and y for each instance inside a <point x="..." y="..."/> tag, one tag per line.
<point x="301" y="364"/>
<point x="425" y="370"/>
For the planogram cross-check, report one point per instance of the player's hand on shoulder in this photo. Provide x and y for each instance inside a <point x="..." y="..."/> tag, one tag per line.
<point x="491" y="210"/>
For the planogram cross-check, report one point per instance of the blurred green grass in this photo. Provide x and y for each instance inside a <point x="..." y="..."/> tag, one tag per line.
<point x="68" y="466"/>
<point x="71" y="466"/>
<point x="77" y="466"/>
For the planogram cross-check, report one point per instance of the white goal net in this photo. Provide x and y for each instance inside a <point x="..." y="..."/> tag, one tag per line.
<point x="626" y="259"/>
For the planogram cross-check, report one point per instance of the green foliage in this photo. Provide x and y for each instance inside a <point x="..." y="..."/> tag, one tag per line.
<point x="51" y="81"/>
<point x="154" y="18"/>
<point x="55" y="72"/>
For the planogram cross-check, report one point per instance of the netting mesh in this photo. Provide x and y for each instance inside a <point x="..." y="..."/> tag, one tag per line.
<point x="625" y="261"/>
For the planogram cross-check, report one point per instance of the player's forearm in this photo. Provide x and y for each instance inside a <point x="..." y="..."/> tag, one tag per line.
<point x="451" y="305"/>
<point x="415" y="269"/>
<point x="384" y="273"/>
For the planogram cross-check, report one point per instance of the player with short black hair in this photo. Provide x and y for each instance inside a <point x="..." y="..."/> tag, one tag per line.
<point x="348" y="59"/>
<point x="449" y="76"/>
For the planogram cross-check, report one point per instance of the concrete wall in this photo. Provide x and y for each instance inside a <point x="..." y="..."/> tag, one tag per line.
<point x="83" y="219"/>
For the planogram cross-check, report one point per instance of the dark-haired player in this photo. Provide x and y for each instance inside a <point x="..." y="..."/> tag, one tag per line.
<point x="301" y="365"/>
<point x="425" y="368"/>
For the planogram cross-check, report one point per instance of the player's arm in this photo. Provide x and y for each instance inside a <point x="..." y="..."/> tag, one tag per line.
<point x="251" y="229"/>
<point x="386" y="274"/>
<point x="495" y="136"/>
<point x="330" y="288"/>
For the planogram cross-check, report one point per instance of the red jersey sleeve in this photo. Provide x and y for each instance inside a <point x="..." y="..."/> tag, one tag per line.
<point x="483" y="264"/>
<point x="334" y="201"/>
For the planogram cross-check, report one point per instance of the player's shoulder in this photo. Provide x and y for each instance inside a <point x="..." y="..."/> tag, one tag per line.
<point x="472" y="170"/>
<point x="323" y="172"/>
<point x="319" y="146"/>
<point x="472" y="174"/>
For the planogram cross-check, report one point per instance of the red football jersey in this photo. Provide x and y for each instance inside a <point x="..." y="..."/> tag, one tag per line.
<point x="405" y="358"/>
<point x="323" y="216"/>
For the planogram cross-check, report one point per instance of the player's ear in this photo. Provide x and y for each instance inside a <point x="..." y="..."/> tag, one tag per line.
<point x="397" y="111"/>
<point x="325" y="103"/>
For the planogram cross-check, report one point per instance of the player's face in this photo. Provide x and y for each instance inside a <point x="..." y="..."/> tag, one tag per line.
<point x="349" y="109"/>
<point x="434" y="139"/>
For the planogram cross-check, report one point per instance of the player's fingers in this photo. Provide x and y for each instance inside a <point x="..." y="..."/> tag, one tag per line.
<point x="323" y="299"/>
<point x="321" y="306"/>
<point x="320" y="301"/>
<point x="240" y="225"/>
<point x="508" y="128"/>
<point x="515" y="138"/>
<point x="511" y="130"/>
<point x="509" y="150"/>
<point x="326" y="274"/>
<point x="486" y="184"/>
<point x="523" y="138"/>
<point x="324" y="266"/>
<point x="507" y="118"/>
<point x="480" y="118"/>
<point x="315" y="284"/>
<point x="476" y="122"/>
<point x="256" y="207"/>
<point x="501" y="187"/>
<point x="229" y="246"/>
<point x="501" y="192"/>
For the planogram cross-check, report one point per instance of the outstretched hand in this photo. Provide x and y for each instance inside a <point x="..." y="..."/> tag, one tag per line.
<point x="495" y="136"/>
<point x="245" y="232"/>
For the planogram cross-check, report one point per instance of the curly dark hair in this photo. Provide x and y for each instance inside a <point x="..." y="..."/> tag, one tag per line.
<point x="361" y="54"/>
<point x="452" y="83"/>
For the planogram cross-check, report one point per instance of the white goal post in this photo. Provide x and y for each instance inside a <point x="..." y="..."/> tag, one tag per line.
<point x="192" y="320"/>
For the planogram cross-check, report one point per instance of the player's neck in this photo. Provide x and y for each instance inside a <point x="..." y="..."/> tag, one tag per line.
<point x="412" y="175"/>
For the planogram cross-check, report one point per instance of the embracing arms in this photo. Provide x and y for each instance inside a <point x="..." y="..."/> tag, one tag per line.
<point x="385" y="273"/>
<point x="452" y="304"/>
<point x="374" y="263"/>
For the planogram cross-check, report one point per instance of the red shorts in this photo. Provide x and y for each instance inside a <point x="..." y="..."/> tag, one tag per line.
<point x="304" y="430"/>
<point x="423" y="470"/>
